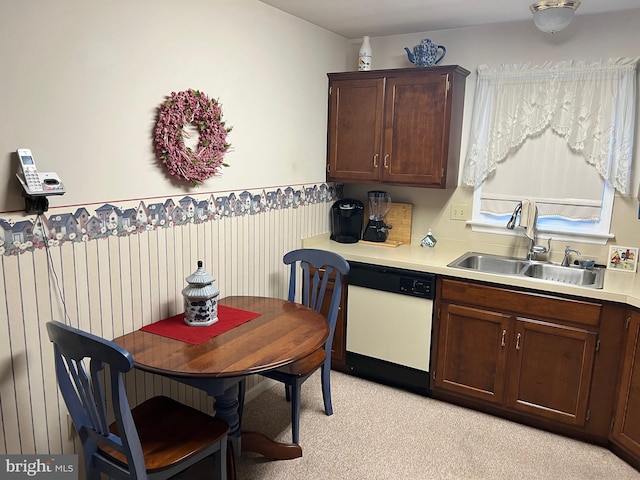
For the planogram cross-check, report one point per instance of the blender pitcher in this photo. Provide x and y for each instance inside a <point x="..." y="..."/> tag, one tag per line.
<point x="379" y="206"/>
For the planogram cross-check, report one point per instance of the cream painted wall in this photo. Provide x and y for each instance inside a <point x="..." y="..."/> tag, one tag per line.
<point x="588" y="37"/>
<point x="81" y="82"/>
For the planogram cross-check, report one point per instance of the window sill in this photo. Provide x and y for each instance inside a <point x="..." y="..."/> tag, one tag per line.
<point x="579" y="237"/>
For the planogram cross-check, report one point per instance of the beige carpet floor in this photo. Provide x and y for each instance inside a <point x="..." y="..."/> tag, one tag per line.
<point x="379" y="432"/>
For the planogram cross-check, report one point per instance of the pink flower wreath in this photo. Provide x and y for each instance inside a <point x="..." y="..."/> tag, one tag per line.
<point x="195" y="108"/>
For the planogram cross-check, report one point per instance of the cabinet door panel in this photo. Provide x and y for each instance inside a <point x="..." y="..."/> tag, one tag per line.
<point x="626" y="429"/>
<point x="472" y="353"/>
<point x="551" y="371"/>
<point x="355" y="129"/>
<point x="415" y="120"/>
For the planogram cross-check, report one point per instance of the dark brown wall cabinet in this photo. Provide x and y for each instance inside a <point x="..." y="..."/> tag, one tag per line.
<point x="396" y="127"/>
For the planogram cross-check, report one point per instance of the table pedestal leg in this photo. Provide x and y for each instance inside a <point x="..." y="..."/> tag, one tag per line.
<point x="258" y="443"/>
<point x="226" y="407"/>
<point x="229" y="407"/>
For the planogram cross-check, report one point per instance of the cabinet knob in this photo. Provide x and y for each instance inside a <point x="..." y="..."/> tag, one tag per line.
<point x="375" y="160"/>
<point x="518" y="342"/>
<point x="504" y="335"/>
<point x="386" y="157"/>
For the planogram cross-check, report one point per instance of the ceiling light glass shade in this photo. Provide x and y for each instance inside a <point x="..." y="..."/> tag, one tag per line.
<point x="552" y="16"/>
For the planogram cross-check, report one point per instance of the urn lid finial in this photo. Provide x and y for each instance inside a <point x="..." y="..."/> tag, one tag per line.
<point x="200" y="276"/>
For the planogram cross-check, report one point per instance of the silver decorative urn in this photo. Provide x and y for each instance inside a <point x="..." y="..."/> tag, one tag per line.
<point x="200" y="299"/>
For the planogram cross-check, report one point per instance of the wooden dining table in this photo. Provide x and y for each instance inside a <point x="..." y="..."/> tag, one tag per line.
<point x="283" y="333"/>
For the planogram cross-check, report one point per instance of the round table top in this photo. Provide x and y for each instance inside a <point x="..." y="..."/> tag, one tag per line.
<point x="283" y="333"/>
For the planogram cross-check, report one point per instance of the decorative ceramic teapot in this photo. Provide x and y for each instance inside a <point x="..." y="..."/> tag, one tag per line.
<point x="425" y="54"/>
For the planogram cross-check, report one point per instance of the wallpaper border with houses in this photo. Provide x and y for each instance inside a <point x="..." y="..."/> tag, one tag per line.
<point x="18" y="237"/>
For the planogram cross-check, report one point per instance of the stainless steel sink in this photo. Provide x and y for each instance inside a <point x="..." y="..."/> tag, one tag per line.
<point x="510" y="266"/>
<point x="482" y="262"/>
<point x="592" y="277"/>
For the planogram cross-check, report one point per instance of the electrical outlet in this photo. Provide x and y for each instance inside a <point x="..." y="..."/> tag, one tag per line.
<point x="458" y="212"/>
<point x="71" y="430"/>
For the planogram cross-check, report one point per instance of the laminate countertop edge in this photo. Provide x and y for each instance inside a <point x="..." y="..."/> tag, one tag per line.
<point x="619" y="287"/>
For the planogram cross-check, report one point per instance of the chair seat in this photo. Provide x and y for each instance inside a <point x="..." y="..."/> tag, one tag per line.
<point x="170" y="432"/>
<point x="305" y="366"/>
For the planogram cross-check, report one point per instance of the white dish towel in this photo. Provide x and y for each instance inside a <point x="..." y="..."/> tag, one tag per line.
<point x="528" y="217"/>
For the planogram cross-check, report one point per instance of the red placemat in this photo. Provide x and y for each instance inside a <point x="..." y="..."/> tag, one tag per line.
<point x="174" y="327"/>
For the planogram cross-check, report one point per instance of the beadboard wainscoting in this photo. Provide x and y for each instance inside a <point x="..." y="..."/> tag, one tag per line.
<point x="116" y="284"/>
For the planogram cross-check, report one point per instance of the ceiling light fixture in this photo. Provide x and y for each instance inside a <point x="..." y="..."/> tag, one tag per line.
<point x="551" y="16"/>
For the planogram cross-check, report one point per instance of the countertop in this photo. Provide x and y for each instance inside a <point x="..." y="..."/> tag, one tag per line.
<point x="619" y="286"/>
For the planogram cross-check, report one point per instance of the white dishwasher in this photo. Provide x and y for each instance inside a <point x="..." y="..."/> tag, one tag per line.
<point x="389" y="322"/>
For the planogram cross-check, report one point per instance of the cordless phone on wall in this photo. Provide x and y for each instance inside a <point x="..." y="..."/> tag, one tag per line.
<point x="35" y="183"/>
<point x="37" y="186"/>
<point x="29" y="171"/>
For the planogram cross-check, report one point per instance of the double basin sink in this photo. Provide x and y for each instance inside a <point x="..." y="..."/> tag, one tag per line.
<point x="517" y="267"/>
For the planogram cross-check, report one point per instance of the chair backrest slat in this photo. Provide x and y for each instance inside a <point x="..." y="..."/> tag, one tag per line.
<point x="81" y="384"/>
<point x="87" y="399"/>
<point x="324" y="264"/>
<point x="97" y="392"/>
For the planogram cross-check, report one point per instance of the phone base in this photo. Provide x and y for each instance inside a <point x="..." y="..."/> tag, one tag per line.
<point x="36" y="205"/>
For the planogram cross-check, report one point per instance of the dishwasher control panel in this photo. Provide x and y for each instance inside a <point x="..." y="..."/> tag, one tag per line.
<point x="417" y="287"/>
<point x="394" y="280"/>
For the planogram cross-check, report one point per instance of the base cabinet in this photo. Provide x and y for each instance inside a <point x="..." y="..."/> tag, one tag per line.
<point x="531" y="356"/>
<point x="339" y="346"/>
<point x="471" y="355"/>
<point x="626" y="425"/>
<point x="550" y="370"/>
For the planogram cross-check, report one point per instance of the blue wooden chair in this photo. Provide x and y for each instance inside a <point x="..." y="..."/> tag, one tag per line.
<point x="317" y="267"/>
<point x="155" y="440"/>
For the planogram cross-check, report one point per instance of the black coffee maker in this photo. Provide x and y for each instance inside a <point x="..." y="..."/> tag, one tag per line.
<point x="347" y="216"/>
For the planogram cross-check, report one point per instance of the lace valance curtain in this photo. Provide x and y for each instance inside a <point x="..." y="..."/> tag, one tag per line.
<point x="590" y="104"/>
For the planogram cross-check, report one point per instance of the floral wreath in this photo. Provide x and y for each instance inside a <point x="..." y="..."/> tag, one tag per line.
<point x="195" y="108"/>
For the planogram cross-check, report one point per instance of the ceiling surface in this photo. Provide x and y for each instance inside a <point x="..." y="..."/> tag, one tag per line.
<point x="377" y="18"/>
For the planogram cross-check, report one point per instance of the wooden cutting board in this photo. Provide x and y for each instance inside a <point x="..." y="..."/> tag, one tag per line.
<point x="399" y="217"/>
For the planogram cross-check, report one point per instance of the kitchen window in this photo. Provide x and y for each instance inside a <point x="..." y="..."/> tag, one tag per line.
<point x="562" y="135"/>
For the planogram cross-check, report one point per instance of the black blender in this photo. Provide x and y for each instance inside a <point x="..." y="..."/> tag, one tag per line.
<point x="379" y="205"/>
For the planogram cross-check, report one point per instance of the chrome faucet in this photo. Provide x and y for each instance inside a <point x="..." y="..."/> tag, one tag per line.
<point x="512" y="221"/>
<point x="533" y="248"/>
<point x="538" y="249"/>
<point x="567" y="251"/>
